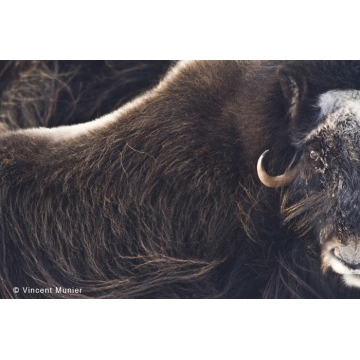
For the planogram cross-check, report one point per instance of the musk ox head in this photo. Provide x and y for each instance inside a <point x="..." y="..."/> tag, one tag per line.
<point x="321" y="194"/>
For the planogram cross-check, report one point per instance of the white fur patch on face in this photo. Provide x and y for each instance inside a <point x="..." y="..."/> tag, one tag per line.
<point x="338" y="266"/>
<point x="352" y="280"/>
<point x="333" y="104"/>
<point x="336" y="99"/>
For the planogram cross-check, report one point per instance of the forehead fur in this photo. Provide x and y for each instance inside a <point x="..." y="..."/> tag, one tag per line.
<point x="337" y="99"/>
<point x="335" y="107"/>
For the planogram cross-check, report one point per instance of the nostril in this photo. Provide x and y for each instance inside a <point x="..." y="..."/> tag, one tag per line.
<point x="336" y="252"/>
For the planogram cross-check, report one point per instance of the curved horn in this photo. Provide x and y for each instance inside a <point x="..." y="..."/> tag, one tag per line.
<point x="276" y="181"/>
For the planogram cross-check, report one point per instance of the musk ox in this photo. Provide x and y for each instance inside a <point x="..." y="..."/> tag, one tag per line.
<point x="226" y="179"/>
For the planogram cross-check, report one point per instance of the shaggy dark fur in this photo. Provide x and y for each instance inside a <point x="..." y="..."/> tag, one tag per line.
<point x="165" y="202"/>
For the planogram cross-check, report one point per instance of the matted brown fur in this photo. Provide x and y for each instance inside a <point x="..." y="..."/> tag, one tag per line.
<point x="163" y="202"/>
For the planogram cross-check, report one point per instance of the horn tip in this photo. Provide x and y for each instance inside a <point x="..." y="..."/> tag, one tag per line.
<point x="259" y="163"/>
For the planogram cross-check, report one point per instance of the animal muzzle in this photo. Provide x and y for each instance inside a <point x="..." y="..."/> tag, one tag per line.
<point x="349" y="255"/>
<point x="343" y="259"/>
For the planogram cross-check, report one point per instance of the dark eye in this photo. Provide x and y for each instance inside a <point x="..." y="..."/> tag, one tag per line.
<point x="314" y="154"/>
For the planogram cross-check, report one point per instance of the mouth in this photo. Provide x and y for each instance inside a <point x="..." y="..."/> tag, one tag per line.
<point x="350" y="273"/>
